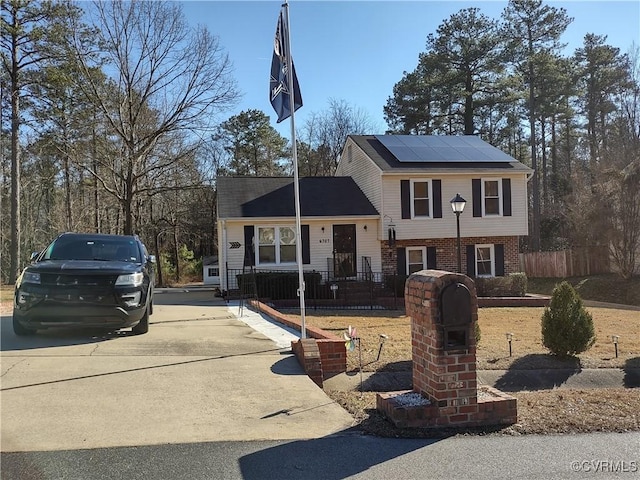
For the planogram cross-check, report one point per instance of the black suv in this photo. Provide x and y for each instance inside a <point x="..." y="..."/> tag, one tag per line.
<point x="86" y="280"/>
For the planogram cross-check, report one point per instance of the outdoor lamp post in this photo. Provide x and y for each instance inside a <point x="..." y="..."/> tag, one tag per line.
<point x="457" y="205"/>
<point x="509" y="339"/>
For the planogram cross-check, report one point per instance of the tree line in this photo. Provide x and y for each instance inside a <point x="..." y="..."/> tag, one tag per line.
<point x="109" y="124"/>
<point x="574" y="119"/>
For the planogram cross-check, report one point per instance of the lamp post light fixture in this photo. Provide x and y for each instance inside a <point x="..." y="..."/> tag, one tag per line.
<point x="509" y="339"/>
<point x="457" y="205"/>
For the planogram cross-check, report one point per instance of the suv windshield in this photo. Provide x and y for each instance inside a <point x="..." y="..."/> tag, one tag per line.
<point x="86" y="248"/>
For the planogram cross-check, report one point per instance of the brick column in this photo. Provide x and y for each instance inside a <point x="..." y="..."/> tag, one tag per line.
<point x="443" y="351"/>
<point x="445" y="376"/>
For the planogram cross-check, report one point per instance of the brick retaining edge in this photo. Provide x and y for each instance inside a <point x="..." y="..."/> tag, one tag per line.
<point x="322" y="354"/>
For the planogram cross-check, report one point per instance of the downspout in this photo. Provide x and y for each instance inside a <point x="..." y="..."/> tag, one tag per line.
<point x="223" y="258"/>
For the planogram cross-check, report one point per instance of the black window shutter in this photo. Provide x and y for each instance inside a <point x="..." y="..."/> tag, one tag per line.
<point x="249" y="257"/>
<point x="498" y="248"/>
<point x="405" y="198"/>
<point x="402" y="261"/>
<point x="306" y="247"/>
<point x="506" y="197"/>
<point x="476" y="189"/>
<point x="437" y="198"/>
<point x="431" y="257"/>
<point x="471" y="260"/>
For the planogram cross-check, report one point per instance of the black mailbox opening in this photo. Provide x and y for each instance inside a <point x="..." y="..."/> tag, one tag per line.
<point x="455" y="315"/>
<point x="454" y="339"/>
<point x="455" y="305"/>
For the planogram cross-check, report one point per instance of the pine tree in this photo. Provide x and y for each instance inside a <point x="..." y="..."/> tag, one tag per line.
<point x="567" y="327"/>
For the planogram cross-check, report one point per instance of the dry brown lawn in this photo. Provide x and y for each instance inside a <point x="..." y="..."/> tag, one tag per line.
<point x="493" y="349"/>
<point x="545" y="411"/>
<point x="558" y="411"/>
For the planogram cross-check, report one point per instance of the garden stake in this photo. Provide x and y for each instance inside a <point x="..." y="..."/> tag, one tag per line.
<point x="383" y="337"/>
<point x="360" y="355"/>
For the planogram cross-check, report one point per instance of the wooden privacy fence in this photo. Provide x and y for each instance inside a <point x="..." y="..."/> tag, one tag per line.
<point x="576" y="262"/>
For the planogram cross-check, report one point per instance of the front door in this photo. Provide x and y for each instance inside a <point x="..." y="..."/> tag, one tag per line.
<point x="344" y="250"/>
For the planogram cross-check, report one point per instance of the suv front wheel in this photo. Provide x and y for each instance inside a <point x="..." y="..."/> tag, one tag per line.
<point x="143" y="325"/>
<point x="21" y="331"/>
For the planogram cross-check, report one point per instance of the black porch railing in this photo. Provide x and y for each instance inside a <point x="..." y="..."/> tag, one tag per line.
<point x="323" y="290"/>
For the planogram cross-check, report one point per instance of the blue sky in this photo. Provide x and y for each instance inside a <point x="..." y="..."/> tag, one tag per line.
<point x="357" y="50"/>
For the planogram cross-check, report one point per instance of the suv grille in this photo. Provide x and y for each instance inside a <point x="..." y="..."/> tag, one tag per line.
<point x="75" y="279"/>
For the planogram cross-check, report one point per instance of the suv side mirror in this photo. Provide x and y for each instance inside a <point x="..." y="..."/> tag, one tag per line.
<point x="152" y="258"/>
<point x="33" y="256"/>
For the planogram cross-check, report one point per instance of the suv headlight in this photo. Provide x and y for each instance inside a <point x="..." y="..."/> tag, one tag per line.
<point x="31" y="277"/>
<point x="131" y="280"/>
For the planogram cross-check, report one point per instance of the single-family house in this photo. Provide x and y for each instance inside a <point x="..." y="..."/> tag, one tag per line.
<point x="256" y="227"/>
<point x="410" y="180"/>
<point x="386" y="210"/>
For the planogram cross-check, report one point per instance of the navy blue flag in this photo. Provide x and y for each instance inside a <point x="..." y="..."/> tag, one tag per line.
<point x="279" y="91"/>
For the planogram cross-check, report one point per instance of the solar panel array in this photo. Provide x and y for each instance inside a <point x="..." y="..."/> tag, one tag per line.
<point x="427" y="148"/>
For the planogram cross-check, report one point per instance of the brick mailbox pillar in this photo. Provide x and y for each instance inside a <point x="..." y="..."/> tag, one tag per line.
<point x="443" y="307"/>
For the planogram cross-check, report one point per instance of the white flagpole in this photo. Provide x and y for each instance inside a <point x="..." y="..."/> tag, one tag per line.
<point x="296" y="185"/>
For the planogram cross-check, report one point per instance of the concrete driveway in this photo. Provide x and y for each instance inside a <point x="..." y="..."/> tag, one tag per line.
<point x="199" y="375"/>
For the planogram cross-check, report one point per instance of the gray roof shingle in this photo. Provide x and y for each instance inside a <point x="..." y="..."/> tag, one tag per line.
<point x="255" y="197"/>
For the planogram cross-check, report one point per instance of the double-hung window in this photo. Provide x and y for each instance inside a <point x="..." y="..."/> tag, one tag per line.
<point x="421" y="198"/>
<point x="491" y="197"/>
<point x="276" y="245"/>
<point x="485" y="261"/>
<point x="416" y="259"/>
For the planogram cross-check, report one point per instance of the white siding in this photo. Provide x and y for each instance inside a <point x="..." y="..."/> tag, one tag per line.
<point x="364" y="172"/>
<point x="470" y="226"/>
<point x="321" y="244"/>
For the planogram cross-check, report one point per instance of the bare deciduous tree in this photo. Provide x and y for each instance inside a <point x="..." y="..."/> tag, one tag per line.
<point x="326" y="133"/>
<point x="30" y="36"/>
<point x="166" y="78"/>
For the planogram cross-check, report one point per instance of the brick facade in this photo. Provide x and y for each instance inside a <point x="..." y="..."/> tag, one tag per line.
<point x="447" y="252"/>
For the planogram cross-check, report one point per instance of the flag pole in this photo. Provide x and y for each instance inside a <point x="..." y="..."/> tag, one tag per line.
<point x="296" y="183"/>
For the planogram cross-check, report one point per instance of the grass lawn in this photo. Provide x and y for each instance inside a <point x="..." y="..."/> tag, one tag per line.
<point x="493" y="349"/>
<point x="543" y="411"/>
<point x="602" y="288"/>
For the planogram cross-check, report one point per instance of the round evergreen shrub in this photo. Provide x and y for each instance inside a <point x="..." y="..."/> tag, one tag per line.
<point x="567" y="327"/>
<point x="477" y="332"/>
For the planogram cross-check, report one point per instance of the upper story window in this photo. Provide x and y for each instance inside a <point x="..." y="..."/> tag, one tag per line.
<point x="421" y="198"/>
<point x="491" y="197"/>
<point x="276" y="245"/>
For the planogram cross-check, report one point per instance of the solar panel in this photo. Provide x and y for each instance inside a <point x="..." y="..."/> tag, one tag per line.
<point x="444" y="148"/>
